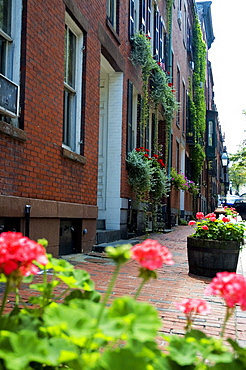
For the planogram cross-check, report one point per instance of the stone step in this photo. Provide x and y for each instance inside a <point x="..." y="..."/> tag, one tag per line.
<point x="101" y="247"/>
<point x="106" y="236"/>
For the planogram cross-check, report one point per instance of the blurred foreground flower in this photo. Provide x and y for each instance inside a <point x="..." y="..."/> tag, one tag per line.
<point x="151" y="255"/>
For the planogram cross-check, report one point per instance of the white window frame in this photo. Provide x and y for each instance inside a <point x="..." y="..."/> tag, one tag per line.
<point x="74" y="141"/>
<point x="13" y="47"/>
<point x="112" y="13"/>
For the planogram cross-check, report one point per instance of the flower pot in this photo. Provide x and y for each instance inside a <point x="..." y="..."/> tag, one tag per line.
<point x="207" y="257"/>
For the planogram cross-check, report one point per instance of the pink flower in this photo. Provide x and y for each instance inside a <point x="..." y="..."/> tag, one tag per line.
<point x="17" y="254"/>
<point x="193" y="306"/>
<point x="225" y="219"/>
<point x="231" y="287"/>
<point x="199" y="215"/>
<point x="151" y="255"/>
<point x="209" y="215"/>
<point x="191" y="223"/>
<point x="204" y="227"/>
<point x="212" y="219"/>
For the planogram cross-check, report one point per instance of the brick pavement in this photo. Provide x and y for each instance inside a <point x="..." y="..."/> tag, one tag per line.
<point x="172" y="285"/>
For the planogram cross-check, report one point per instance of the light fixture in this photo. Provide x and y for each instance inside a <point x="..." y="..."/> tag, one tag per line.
<point x="225" y="159"/>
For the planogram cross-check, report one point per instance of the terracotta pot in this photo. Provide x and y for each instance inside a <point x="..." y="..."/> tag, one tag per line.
<point x="207" y="257"/>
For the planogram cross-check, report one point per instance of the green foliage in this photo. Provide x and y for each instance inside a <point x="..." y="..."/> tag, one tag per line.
<point x="147" y="175"/>
<point x="160" y="185"/>
<point x="81" y="333"/>
<point x="197" y="103"/>
<point x="141" y="51"/>
<point x="220" y="230"/>
<point x="139" y="173"/>
<point x="237" y="175"/>
<point x="155" y="85"/>
<point x="178" y="180"/>
<point x="197" y="160"/>
<point x="199" y="76"/>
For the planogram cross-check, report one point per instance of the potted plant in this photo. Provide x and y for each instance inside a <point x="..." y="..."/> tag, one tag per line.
<point x="215" y="244"/>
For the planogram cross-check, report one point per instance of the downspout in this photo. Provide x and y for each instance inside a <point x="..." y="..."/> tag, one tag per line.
<point x="169" y="68"/>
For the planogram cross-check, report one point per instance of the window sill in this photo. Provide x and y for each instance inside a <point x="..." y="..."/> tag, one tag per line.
<point x="14" y="132"/>
<point x="113" y="31"/>
<point x="73" y="156"/>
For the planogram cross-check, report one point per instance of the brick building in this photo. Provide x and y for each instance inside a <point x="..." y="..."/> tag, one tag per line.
<point x="69" y="114"/>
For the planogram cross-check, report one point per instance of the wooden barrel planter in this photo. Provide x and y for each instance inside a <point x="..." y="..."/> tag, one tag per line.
<point x="207" y="257"/>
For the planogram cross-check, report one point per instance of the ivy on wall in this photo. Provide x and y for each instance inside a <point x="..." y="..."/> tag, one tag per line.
<point x="197" y="103"/>
<point x="154" y="82"/>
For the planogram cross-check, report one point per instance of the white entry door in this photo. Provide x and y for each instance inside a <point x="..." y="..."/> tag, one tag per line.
<point x="103" y="147"/>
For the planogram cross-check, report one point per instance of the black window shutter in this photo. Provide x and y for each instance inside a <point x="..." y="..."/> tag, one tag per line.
<point x="130" y="138"/>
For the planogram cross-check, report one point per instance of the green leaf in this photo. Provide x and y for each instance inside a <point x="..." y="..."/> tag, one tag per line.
<point x="18" y="350"/>
<point x="91" y="296"/>
<point x="77" y="279"/>
<point x="140" y="319"/>
<point x="123" y="358"/>
<point x="119" y="254"/>
<point x="182" y="350"/>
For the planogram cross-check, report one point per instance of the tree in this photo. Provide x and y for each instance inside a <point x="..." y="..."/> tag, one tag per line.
<point x="237" y="175"/>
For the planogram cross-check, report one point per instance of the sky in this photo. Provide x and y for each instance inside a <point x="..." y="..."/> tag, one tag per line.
<point x="228" y="57"/>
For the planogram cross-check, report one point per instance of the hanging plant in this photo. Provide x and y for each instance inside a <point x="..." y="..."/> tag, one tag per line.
<point x="160" y="185"/>
<point x="139" y="173"/>
<point x="147" y="175"/>
<point x="141" y="50"/>
<point x="178" y="180"/>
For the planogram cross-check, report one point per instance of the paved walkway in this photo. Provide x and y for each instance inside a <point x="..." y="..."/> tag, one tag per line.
<point x="172" y="285"/>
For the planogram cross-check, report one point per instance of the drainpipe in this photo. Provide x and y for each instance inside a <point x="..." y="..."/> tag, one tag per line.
<point x="27" y="220"/>
<point x="169" y="68"/>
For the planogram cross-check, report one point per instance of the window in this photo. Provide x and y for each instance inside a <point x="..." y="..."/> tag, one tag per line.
<point x="177" y="157"/>
<point x="72" y="86"/>
<point x="149" y="18"/>
<point x="210" y="133"/>
<point x="10" y="42"/>
<point x="178" y="95"/>
<point x="183" y="108"/>
<point x="143" y="133"/>
<point x="134" y="17"/>
<point x="112" y="14"/>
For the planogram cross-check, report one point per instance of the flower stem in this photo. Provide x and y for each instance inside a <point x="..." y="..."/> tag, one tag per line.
<point x="229" y="312"/>
<point x="108" y="292"/>
<point x="140" y="288"/>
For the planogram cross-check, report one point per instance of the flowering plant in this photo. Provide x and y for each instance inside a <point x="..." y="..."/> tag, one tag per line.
<point x="223" y="228"/>
<point x="178" y="180"/>
<point x="77" y="330"/>
<point x="181" y="182"/>
<point x="147" y="174"/>
<point x="230" y="211"/>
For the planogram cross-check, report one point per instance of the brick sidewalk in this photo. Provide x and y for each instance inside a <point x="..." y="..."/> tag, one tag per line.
<point x="172" y="285"/>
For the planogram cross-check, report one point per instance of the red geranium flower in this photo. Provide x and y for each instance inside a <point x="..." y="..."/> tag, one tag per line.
<point x="204" y="227"/>
<point x="17" y="254"/>
<point x="231" y="287"/>
<point x="199" y="215"/>
<point x="151" y="255"/>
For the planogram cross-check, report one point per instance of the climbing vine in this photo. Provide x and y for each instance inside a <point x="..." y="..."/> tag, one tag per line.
<point x="197" y="104"/>
<point x="154" y="82"/>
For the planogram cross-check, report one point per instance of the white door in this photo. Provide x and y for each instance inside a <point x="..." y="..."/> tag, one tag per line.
<point x="102" y="150"/>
